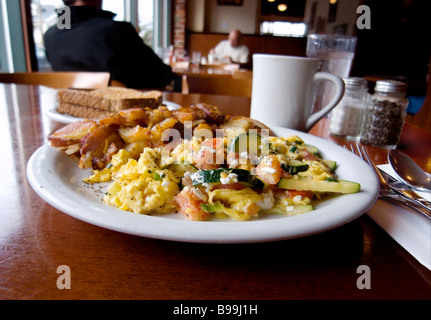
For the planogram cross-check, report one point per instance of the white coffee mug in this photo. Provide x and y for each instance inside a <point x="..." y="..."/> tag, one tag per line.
<point x="282" y="93"/>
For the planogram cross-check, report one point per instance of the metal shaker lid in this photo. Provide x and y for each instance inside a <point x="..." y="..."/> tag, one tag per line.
<point x="390" y="86"/>
<point x="355" y="83"/>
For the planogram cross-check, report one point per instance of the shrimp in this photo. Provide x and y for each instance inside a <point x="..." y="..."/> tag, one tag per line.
<point x="189" y="201"/>
<point x="211" y="154"/>
<point x="269" y="170"/>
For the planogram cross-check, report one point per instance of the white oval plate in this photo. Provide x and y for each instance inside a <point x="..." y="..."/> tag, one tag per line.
<point x="53" y="113"/>
<point x="57" y="179"/>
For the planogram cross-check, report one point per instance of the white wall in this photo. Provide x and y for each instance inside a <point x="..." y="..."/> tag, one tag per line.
<point x="195" y="15"/>
<point x="222" y="19"/>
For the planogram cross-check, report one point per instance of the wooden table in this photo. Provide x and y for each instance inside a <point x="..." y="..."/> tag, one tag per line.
<point x="35" y="239"/>
<point x="203" y="71"/>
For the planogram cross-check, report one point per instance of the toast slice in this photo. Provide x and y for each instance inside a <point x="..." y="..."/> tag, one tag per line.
<point x="111" y="99"/>
<point x="82" y="112"/>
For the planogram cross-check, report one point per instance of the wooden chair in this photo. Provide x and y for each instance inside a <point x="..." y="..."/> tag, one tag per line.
<point x="60" y="80"/>
<point x="220" y="86"/>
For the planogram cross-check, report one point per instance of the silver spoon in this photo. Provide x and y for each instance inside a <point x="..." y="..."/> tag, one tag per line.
<point x="409" y="171"/>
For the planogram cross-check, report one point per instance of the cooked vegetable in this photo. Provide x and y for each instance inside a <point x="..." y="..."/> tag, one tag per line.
<point x="332" y="165"/>
<point x="211" y="208"/>
<point x="312" y="149"/>
<point x="294" y="166"/>
<point x="225" y="176"/>
<point x="250" y="142"/>
<point x="330" y="185"/>
<point x="290" y="210"/>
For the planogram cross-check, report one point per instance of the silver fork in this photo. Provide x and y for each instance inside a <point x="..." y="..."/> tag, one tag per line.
<point x="386" y="191"/>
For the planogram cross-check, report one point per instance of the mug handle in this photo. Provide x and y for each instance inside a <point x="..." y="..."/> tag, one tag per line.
<point x="339" y="92"/>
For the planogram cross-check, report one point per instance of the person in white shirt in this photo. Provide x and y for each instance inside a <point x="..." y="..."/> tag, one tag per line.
<point x="231" y="50"/>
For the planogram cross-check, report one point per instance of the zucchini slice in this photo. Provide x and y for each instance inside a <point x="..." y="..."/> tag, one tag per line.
<point x="293" y="166"/>
<point x="252" y="143"/>
<point x="226" y="176"/>
<point x="290" y="210"/>
<point x="331" y="164"/>
<point x="312" y="149"/>
<point x="333" y="185"/>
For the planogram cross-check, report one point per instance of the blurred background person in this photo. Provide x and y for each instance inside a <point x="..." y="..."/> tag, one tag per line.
<point x="96" y="42"/>
<point x="232" y="50"/>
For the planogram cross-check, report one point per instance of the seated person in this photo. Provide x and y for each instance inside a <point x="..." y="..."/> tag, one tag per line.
<point x="96" y="42"/>
<point x="231" y="50"/>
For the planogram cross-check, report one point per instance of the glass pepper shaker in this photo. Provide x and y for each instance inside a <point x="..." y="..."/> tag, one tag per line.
<point x="347" y="116"/>
<point x="384" y="116"/>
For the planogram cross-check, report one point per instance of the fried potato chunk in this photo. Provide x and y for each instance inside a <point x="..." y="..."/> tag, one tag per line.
<point x="72" y="133"/>
<point x="95" y="141"/>
<point x="96" y="144"/>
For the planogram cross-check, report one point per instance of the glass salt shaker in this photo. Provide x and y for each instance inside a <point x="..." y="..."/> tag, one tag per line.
<point x="384" y="116"/>
<point x="347" y="116"/>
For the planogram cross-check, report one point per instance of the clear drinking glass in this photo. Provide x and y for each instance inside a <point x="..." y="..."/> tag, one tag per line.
<point x="337" y="54"/>
<point x="196" y="58"/>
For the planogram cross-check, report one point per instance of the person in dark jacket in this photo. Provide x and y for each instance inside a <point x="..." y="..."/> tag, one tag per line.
<point x="96" y="42"/>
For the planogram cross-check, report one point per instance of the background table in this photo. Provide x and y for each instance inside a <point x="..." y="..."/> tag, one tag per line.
<point x="223" y="71"/>
<point x="35" y="239"/>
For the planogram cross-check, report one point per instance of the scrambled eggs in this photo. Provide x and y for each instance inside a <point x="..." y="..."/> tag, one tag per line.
<point x="205" y="178"/>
